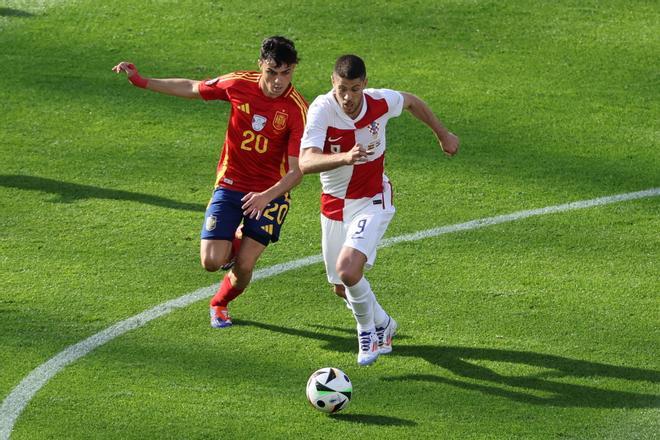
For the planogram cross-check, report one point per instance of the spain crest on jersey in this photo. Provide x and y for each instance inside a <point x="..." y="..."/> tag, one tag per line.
<point x="258" y="122"/>
<point x="279" y="122"/>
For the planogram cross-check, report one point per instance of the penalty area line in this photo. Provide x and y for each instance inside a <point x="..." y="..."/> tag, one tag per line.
<point x="17" y="400"/>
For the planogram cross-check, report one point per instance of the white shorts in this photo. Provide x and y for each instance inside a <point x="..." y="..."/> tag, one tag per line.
<point x="365" y="222"/>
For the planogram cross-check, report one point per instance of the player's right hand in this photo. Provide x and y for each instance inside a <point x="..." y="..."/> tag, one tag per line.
<point x="449" y="144"/>
<point x="357" y="154"/>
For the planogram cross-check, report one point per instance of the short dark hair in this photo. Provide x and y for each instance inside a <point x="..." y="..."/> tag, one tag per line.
<point x="350" y="67"/>
<point x="279" y="50"/>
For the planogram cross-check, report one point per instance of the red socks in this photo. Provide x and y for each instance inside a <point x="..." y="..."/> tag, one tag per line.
<point x="225" y="293"/>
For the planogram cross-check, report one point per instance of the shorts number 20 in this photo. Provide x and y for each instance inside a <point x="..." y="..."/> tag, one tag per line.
<point x="276" y="212"/>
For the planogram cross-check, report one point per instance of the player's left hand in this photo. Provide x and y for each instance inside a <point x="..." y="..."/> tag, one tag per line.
<point x="131" y="73"/>
<point x="125" y="66"/>
<point x="449" y="143"/>
<point x="254" y="204"/>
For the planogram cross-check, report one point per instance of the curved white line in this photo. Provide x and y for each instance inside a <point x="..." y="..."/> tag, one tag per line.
<point x="17" y="400"/>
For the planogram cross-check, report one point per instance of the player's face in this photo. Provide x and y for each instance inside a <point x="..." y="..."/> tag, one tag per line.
<point x="348" y="93"/>
<point x="274" y="80"/>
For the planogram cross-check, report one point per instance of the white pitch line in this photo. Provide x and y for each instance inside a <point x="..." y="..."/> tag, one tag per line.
<point x="17" y="400"/>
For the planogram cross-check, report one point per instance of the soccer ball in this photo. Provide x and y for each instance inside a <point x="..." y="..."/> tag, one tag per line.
<point x="329" y="390"/>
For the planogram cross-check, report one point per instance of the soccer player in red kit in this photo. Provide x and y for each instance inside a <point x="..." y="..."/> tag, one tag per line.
<point x="345" y="142"/>
<point x="258" y="165"/>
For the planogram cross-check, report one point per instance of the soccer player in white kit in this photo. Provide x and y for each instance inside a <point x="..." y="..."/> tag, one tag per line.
<point x="344" y="141"/>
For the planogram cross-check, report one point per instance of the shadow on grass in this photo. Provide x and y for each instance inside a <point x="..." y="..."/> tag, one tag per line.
<point x="350" y="331"/>
<point x="71" y="192"/>
<point x="551" y="386"/>
<point x="10" y="12"/>
<point x="373" y="420"/>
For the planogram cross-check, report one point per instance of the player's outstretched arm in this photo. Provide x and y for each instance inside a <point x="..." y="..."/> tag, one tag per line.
<point x="184" y="88"/>
<point x="254" y="203"/>
<point x="419" y="109"/>
<point x="312" y="160"/>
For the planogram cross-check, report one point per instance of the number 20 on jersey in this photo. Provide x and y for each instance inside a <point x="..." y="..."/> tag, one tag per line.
<point x="252" y="140"/>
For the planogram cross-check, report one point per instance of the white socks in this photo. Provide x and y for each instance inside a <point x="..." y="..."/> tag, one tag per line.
<point x="380" y="316"/>
<point x="368" y="313"/>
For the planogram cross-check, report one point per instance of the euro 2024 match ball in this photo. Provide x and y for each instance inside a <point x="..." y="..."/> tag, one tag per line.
<point x="329" y="390"/>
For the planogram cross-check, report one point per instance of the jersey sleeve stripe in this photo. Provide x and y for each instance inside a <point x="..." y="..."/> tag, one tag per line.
<point x="248" y="76"/>
<point x="283" y="166"/>
<point x="300" y="102"/>
<point x="303" y="113"/>
<point x="299" y="98"/>
<point x="223" y="168"/>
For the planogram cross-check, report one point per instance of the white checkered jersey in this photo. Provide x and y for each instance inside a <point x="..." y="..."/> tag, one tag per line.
<point x="330" y="129"/>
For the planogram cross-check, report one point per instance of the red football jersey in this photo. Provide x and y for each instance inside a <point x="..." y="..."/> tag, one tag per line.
<point x="261" y="134"/>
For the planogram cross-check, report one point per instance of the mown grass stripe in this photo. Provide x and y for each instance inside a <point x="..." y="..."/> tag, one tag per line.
<point x="17" y="400"/>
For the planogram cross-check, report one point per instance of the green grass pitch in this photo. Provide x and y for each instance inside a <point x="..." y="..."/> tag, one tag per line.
<point x="543" y="328"/>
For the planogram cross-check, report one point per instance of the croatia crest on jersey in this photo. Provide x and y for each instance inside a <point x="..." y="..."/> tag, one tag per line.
<point x="373" y="128"/>
<point x="258" y="122"/>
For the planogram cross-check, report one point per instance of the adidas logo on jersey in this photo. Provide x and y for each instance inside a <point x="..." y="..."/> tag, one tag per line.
<point x="245" y="108"/>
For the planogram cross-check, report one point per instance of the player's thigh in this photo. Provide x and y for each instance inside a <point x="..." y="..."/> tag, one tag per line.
<point x="223" y="215"/>
<point x="333" y="234"/>
<point x="366" y="230"/>
<point x="215" y="250"/>
<point x="350" y="265"/>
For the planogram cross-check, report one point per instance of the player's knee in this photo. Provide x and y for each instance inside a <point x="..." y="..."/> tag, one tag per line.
<point x="348" y="274"/>
<point x="210" y="264"/>
<point x="350" y="279"/>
